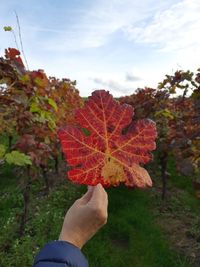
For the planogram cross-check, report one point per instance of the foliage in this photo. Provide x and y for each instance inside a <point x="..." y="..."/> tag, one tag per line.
<point x="7" y="28"/>
<point x="186" y="125"/>
<point x="17" y="158"/>
<point x="155" y="105"/>
<point x="177" y="119"/>
<point x="131" y="236"/>
<point x="2" y="151"/>
<point x="33" y="107"/>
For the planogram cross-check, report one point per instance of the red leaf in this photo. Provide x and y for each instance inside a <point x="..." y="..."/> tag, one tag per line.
<point x="106" y="155"/>
<point x="14" y="55"/>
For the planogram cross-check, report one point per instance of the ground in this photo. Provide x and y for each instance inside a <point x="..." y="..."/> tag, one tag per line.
<point x="142" y="230"/>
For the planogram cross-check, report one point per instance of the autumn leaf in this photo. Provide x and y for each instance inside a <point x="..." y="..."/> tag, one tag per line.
<point x="111" y="152"/>
<point x="14" y="55"/>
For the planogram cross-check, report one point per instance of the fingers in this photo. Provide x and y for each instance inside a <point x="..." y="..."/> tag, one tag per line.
<point x="99" y="196"/>
<point x="95" y="197"/>
<point x="87" y="196"/>
<point x="99" y="204"/>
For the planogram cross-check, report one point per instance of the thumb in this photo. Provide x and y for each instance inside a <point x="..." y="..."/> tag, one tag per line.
<point x="99" y="195"/>
<point x="87" y="196"/>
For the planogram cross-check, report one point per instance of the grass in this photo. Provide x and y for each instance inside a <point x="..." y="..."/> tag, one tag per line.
<point x="184" y="183"/>
<point x="131" y="237"/>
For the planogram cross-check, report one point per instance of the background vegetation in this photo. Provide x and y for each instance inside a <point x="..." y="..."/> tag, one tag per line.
<point x="149" y="228"/>
<point x="141" y="231"/>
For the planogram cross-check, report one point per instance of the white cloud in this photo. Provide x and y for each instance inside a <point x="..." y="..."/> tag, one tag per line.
<point x="172" y="29"/>
<point x="113" y="85"/>
<point x="119" y="30"/>
<point x="118" y="84"/>
<point x="95" y="24"/>
<point x="90" y="26"/>
<point x="131" y="77"/>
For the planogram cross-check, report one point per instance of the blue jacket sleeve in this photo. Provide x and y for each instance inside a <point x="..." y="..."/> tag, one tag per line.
<point x="60" y="254"/>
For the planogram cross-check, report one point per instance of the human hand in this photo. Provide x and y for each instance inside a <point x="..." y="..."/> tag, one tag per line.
<point x="85" y="217"/>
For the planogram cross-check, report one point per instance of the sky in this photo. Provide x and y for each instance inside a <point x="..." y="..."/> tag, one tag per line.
<point x="117" y="45"/>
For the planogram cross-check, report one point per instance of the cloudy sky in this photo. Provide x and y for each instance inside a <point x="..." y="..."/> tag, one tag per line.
<point x="118" y="45"/>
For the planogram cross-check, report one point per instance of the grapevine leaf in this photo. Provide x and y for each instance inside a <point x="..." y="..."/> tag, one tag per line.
<point x="7" y="28"/>
<point x="25" y="78"/>
<point x="38" y="81"/>
<point x="34" y="107"/>
<point x="17" y="158"/>
<point x="2" y="151"/>
<point x="166" y="113"/>
<point x="107" y="155"/>
<point x="52" y="103"/>
<point x="14" y="55"/>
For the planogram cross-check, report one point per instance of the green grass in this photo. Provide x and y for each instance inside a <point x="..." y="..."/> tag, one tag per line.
<point x="178" y="180"/>
<point x="44" y="222"/>
<point x="184" y="183"/>
<point x="131" y="237"/>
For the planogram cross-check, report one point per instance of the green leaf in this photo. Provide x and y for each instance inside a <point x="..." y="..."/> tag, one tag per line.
<point x="172" y="89"/>
<point x="40" y="119"/>
<point x="2" y="151"/>
<point x="17" y="158"/>
<point x="165" y="113"/>
<point x="52" y="103"/>
<point x="51" y="124"/>
<point x="44" y="115"/>
<point x="25" y="78"/>
<point x="7" y="29"/>
<point x="39" y="82"/>
<point x="160" y="85"/>
<point x="35" y="108"/>
<point x="47" y="140"/>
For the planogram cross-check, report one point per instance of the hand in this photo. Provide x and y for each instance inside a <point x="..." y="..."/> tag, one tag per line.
<point x="85" y="217"/>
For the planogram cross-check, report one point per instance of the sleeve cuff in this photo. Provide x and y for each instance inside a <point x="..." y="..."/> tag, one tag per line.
<point x="61" y="252"/>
